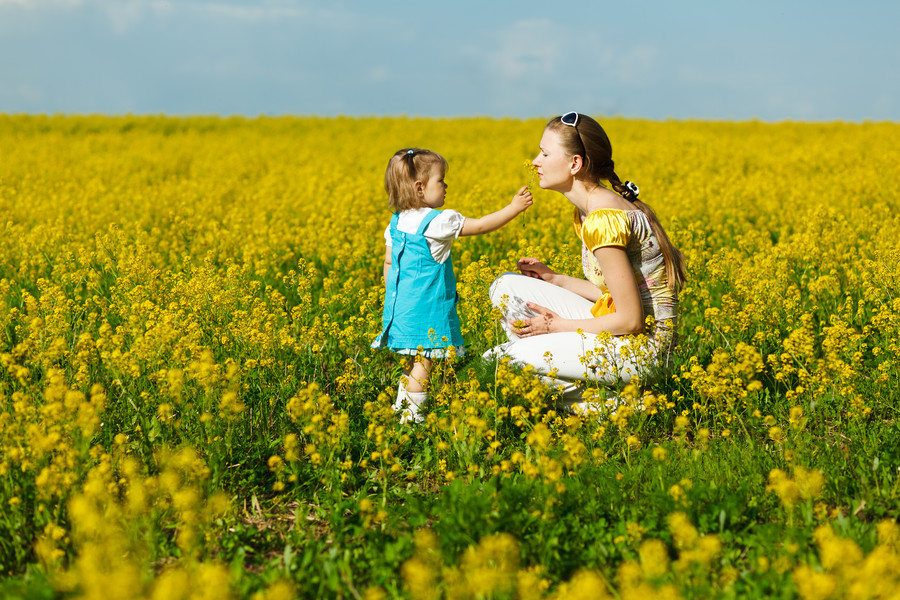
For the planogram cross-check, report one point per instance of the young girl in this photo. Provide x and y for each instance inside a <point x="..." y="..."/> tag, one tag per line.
<point x="420" y="318"/>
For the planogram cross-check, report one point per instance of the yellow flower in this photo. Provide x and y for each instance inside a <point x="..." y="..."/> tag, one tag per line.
<point x="813" y="585"/>
<point x="683" y="532"/>
<point x="784" y="487"/>
<point x="889" y="533"/>
<point x="539" y="437"/>
<point x="809" y="481"/>
<point x="654" y="558"/>
<point x="279" y="590"/>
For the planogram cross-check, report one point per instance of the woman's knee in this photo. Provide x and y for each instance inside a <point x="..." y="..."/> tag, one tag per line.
<point x="502" y="287"/>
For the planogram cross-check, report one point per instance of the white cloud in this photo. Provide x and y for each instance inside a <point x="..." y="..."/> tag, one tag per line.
<point x="720" y="75"/>
<point x="636" y="65"/>
<point x="543" y="50"/>
<point x="304" y="14"/>
<point x="22" y="93"/>
<point x="792" y="107"/>
<point x="42" y="4"/>
<point x="540" y="65"/>
<point x="124" y="15"/>
<point x="235" y="10"/>
<point x="378" y="74"/>
<point x="884" y="104"/>
<point x="527" y="49"/>
<point x="250" y="12"/>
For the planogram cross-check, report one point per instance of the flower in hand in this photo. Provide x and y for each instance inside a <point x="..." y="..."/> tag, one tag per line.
<point x="532" y="171"/>
<point x="539" y="325"/>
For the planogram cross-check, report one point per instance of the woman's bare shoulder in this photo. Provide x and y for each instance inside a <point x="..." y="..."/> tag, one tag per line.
<point x="605" y="199"/>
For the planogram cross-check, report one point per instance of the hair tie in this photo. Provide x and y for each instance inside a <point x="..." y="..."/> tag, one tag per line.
<point x="633" y="188"/>
<point x="410" y="152"/>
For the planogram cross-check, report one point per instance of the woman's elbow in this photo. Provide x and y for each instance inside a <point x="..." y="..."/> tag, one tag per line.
<point x="633" y="324"/>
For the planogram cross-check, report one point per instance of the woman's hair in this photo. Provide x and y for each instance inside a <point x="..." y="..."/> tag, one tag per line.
<point x="405" y="168"/>
<point x="588" y="140"/>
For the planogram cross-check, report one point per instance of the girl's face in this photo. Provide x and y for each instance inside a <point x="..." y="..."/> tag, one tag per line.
<point x="434" y="190"/>
<point x="554" y="166"/>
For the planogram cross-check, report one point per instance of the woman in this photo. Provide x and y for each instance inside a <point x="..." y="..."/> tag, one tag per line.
<point x="618" y="324"/>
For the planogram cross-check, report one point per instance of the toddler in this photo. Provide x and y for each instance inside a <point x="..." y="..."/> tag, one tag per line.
<point x="420" y="318"/>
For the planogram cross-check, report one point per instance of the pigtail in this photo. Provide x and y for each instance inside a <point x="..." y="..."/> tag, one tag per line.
<point x="676" y="272"/>
<point x="409" y="157"/>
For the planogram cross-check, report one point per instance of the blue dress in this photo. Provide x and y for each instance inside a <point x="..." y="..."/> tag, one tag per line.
<point x="420" y="295"/>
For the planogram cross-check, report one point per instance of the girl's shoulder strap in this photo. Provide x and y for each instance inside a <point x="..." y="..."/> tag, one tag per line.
<point x="427" y="221"/>
<point x="394" y="219"/>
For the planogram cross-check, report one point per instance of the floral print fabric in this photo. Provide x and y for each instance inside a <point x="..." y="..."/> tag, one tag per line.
<point x="631" y="230"/>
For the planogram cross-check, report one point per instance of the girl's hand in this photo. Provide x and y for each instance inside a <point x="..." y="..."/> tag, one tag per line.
<point x="539" y="325"/>
<point x="535" y="269"/>
<point x="522" y="200"/>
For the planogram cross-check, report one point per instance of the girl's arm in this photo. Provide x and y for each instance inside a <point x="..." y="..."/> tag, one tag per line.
<point x="387" y="263"/>
<point x="629" y="315"/>
<point x="488" y="223"/>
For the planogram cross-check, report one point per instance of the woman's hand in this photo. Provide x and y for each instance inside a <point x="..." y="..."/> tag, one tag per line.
<point x="543" y="323"/>
<point x="534" y="268"/>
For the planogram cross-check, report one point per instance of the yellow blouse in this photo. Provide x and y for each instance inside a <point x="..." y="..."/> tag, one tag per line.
<point x="604" y="227"/>
<point x="601" y="228"/>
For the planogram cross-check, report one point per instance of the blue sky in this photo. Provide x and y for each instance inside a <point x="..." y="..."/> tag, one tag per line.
<point x="795" y="60"/>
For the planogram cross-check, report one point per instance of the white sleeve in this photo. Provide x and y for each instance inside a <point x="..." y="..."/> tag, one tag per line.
<point x="441" y="232"/>
<point x="446" y="226"/>
<point x="387" y="236"/>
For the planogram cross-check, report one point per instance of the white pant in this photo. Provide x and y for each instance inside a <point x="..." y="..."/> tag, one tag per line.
<point x="569" y="358"/>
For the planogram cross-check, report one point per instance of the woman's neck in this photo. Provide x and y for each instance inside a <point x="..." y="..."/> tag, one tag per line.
<point x="588" y="196"/>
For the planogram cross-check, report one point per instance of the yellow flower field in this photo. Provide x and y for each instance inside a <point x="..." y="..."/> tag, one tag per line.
<point x="189" y="406"/>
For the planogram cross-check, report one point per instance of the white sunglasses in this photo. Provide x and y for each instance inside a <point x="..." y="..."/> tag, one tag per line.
<point x="570" y="119"/>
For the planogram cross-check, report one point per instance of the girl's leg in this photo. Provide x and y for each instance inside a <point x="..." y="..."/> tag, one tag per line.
<point x="411" y="394"/>
<point x="418" y="374"/>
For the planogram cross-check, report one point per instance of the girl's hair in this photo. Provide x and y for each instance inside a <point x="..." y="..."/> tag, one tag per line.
<point x="405" y="168"/>
<point x="588" y="140"/>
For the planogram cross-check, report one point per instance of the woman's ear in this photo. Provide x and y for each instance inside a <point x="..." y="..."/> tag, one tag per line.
<point x="577" y="163"/>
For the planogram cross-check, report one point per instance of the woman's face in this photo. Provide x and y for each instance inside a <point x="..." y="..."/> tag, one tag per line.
<point x="554" y="166"/>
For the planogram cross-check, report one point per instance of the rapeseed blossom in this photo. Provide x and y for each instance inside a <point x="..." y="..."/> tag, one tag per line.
<point x="185" y="312"/>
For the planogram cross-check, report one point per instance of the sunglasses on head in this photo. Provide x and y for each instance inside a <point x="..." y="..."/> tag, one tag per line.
<point x="570" y="119"/>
